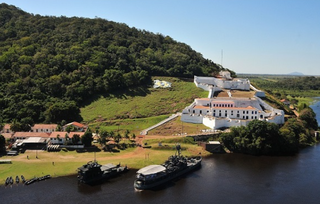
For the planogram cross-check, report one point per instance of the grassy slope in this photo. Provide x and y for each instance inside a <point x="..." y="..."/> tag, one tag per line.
<point x="146" y="108"/>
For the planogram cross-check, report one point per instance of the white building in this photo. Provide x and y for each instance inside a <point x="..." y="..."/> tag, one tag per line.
<point x="219" y="112"/>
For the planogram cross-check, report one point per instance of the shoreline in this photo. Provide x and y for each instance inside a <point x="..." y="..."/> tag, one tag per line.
<point x="59" y="164"/>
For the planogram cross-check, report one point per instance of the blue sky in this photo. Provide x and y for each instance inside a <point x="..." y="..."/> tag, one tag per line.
<point x="246" y="36"/>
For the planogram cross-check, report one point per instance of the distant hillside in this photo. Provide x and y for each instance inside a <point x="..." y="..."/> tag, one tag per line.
<point x="296" y="73"/>
<point x="51" y="65"/>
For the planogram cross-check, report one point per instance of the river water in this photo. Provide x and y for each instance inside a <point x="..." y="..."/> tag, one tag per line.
<point x="223" y="178"/>
<point x="316" y="108"/>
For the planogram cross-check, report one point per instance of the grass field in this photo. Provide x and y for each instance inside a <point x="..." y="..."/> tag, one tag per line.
<point x="140" y="108"/>
<point x="66" y="163"/>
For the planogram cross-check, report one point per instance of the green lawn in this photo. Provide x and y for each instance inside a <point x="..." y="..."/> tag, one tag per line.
<point x="66" y="163"/>
<point x="140" y="108"/>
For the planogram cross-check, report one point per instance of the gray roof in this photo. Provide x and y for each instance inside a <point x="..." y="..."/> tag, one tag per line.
<point x="151" y="169"/>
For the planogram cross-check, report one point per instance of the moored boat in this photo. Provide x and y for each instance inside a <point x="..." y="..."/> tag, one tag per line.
<point x="93" y="172"/>
<point x="11" y="180"/>
<point x="153" y="176"/>
<point x="28" y="182"/>
<point x="44" y="177"/>
<point x="23" y="179"/>
<point x="7" y="181"/>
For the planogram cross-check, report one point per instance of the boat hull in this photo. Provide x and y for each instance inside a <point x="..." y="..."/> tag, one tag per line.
<point x="141" y="185"/>
<point x="102" y="177"/>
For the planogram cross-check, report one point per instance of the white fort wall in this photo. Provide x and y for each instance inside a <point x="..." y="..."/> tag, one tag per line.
<point x="228" y="111"/>
<point x="204" y="82"/>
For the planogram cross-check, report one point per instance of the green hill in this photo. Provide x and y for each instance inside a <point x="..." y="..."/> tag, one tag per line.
<point x="51" y="66"/>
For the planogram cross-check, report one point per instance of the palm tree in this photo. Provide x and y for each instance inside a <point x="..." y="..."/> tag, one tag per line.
<point x="117" y="138"/>
<point x="111" y="134"/>
<point x="126" y="134"/>
<point x="103" y="137"/>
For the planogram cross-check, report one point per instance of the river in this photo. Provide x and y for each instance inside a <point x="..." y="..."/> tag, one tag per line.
<point x="316" y="108"/>
<point x="223" y="178"/>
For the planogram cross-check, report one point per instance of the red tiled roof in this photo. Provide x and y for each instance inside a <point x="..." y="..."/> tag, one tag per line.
<point x="6" y="135"/>
<point x="55" y="134"/>
<point x="235" y="108"/>
<point x="71" y="134"/>
<point x="79" y="125"/>
<point x="45" y="126"/>
<point x="31" y="134"/>
<point x="201" y="107"/>
<point x="206" y="99"/>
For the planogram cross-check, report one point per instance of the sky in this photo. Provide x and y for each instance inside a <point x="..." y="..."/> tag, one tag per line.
<point x="246" y="36"/>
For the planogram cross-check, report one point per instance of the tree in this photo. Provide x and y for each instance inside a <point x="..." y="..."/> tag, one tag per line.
<point x="103" y="137"/>
<point x="309" y="118"/>
<point x="75" y="139"/>
<point x="117" y="138"/>
<point x="126" y="134"/>
<point x="133" y="136"/>
<point x="15" y="126"/>
<point x="262" y="138"/>
<point x="2" y="144"/>
<point x="86" y="139"/>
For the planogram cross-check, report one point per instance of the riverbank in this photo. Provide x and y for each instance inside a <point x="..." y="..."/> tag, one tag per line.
<point x="38" y="163"/>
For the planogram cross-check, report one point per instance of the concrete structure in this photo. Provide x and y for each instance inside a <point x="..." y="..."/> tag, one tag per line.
<point x="224" y="112"/>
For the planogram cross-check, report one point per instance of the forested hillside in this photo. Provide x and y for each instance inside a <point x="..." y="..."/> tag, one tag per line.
<point x="50" y="65"/>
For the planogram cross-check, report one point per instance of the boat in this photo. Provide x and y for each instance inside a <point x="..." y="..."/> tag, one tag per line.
<point x="23" y="179"/>
<point x="152" y="176"/>
<point x="11" y="180"/>
<point x="28" y="182"/>
<point x="44" y="177"/>
<point x="7" y="181"/>
<point x="93" y="172"/>
<point x="17" y="179"/>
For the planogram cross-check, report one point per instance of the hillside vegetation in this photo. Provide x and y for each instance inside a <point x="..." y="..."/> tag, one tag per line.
<point x="50" y="66"/>
<point x="284" y="86"/>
